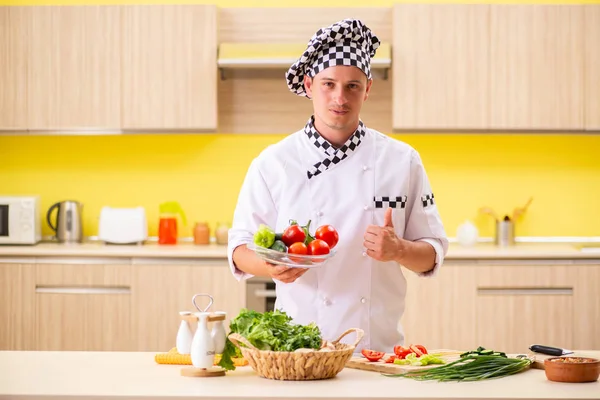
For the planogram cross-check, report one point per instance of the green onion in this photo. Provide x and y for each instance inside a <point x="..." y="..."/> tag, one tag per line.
<point x="472" y="367"/>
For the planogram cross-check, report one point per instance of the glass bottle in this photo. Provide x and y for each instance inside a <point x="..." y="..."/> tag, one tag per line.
<point x="167" y="224"/>
<point x="201" y="233"/>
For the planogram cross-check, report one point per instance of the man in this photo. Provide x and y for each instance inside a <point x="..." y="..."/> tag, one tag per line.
<point x="371" y="188"/>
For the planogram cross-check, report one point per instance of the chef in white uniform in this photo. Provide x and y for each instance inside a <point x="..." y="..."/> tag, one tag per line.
<point x="373" y="189"/>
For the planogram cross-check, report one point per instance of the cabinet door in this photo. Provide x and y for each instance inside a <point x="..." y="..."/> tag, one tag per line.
<point x="592" y="67"/>
<point x="170" y="67"/>
<point x="83" y="307"/>
<point x="17" y="296"/>
<point x="587" y="307"/>
<point x="14" y="32"/>
<point x="440" y="310"/>
<point x="521" y="305"/>
<point x="161" y="291"/>
<point x="74" y="74"/>
<point x="440" y="66"/>
<point x="536" y="67"/>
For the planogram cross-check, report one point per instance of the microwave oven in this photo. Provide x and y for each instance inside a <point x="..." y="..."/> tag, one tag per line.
<point x="20" y="221"/>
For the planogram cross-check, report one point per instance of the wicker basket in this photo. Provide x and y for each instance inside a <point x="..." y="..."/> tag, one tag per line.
<point x="298" y="366"/>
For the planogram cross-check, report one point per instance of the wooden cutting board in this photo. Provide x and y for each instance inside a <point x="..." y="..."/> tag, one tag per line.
<point x="359" y="362"/>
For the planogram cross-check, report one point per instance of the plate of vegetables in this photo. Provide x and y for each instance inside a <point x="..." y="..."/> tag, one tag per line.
<point x="295" y="246"/>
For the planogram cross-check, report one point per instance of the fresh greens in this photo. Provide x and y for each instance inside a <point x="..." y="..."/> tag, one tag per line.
<point x="472" y="366"/>
<point x="272" y="330"/>
<point x="264" y="236"/>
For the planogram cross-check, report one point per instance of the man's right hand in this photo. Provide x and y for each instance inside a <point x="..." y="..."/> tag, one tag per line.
<point x="284" y="274"/>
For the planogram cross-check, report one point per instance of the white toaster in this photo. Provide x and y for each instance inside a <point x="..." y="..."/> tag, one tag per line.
<point x="123" y="225"/>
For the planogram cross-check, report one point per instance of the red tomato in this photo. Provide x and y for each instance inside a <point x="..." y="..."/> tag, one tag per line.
<point x="391" y="359"/>
<point x="293" y="234"/>
<point x="297" y="248"/>
<point x="402" y="352"/>
<point x="417" y="348"/>
<point x="318" y="247"/>
<point x="372" y="355"/>
<point x="328" y="234"/>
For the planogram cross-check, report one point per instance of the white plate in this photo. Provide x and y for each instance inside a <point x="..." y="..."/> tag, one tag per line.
<point x="290" y="260"/>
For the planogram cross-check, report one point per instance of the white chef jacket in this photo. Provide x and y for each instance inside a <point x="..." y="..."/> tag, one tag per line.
<point x="351" y="290"/>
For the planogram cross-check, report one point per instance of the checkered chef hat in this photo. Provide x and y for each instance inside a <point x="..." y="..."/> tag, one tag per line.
<point x="347" y="42"/>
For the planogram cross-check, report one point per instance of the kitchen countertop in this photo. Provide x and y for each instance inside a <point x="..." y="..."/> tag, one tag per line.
<point x="213" y="251"/>
<point x="106" y="375"/>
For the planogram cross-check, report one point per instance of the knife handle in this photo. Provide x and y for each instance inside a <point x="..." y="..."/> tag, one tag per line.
<point x="552" y="351"/>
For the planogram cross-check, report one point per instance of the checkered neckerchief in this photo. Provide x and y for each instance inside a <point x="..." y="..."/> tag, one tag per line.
<point x="332" y="155"/>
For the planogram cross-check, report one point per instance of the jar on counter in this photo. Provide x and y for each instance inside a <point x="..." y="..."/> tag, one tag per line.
<point x="201" y="233"/>
<point x="222" y="233"/>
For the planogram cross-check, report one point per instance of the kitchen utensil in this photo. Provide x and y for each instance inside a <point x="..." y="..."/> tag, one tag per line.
<point x="67" y="225"/>
<point x="467" y="234"/>
<point x="489" y="211"/>
<point x="211" y="300"/>
<point x="203" y="347"/>
<point x="517" y="212"/>
<point x="289" y="260"/>
<point x="552" y="351"/>
<point x="358" y="362"/>
<point x="572" y="369"/>
<point x="505" y="232"/>
<point x="123" y="225"/>
<point x="218" y="334"/>
<point x="184" y="336"/>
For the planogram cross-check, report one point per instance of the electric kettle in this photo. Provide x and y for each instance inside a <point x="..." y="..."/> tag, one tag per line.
<point x="67" y="224"/>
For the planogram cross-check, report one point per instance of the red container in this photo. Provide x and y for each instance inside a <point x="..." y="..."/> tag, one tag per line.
<point x="167" y="230"/>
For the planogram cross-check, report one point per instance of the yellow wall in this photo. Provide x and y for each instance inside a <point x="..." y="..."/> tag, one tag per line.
<point x="204" y="172"/>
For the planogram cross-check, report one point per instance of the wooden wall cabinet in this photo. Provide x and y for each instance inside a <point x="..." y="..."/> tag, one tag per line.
<point x="536" y="67"/>
<point x="14" y="47"/>
<point x="440" y="66"/>
<point x="161" y="290"/>
<point x="592" y="67"/>
<point x="74" y="59"/>
<point x="505" y="306"/>
<point x="169" y="67"/>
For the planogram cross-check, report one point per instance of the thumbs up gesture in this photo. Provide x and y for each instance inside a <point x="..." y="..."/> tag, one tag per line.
<point x="381" y="242"/>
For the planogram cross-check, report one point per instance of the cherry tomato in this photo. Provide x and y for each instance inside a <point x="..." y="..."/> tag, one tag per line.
<point x="318" y="247"/>
<point x="328" y="234"/>
<point x="293" y="234"/>
<point x="372" y="355"/>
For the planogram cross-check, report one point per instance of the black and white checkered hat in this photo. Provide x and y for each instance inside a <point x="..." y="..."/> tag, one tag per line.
<point x="347" y="42"/>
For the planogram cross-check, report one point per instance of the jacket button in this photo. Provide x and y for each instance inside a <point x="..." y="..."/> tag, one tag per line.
<point x="319" y="213"/>
<point x="366" y="208"/>
<point x="364" y="253"/>
<point x="326" y="301"/>
<point x="363" y="300"/>
<point x="365" y="168"/>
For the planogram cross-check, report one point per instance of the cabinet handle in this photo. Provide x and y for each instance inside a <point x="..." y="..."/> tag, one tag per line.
<point x="524" y="291"/>
<point x="82" y="290"/>
<point x="265" y="293"/>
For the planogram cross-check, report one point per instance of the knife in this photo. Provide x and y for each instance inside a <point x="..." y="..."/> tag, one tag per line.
<point x="552" y="351"/>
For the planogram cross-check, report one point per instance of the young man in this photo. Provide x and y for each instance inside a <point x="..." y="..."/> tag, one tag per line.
<point x="371" y="188"/>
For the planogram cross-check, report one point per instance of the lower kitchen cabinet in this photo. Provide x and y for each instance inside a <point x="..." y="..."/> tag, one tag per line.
<point x="505" y="305"/>
<point x="83" y="307"/>
<point x="17" y="286"/>
<point x="161" y="290"/>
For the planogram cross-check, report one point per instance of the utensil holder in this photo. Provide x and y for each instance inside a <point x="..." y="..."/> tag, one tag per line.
<point x="505" y="233"/>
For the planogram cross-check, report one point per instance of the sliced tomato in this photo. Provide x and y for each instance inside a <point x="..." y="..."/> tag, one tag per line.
<point x="402" y="352"/>
<point x="391" y="359"/>
<point x="421" y="348"/>
<point x="373" y="355"/>
<point x="416" y="350"/>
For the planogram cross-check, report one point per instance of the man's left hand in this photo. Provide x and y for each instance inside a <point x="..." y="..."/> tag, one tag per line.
<point x="382" y="243"/>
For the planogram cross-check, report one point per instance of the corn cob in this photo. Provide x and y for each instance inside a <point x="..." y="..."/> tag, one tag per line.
<point x="173" y="357"/>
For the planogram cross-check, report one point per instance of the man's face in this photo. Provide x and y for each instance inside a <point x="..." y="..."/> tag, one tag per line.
<point x="338" y="94"/>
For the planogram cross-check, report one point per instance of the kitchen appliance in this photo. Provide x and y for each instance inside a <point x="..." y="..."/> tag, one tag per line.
<point x="67" y="225"/>
<point x="20" y="221"/>
<point x="123" y="225"/>
<point x="260" y="294"/>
